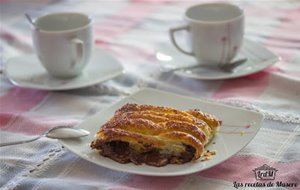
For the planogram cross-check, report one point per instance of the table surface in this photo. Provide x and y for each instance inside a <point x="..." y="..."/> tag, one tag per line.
<point x="134" y="32"/>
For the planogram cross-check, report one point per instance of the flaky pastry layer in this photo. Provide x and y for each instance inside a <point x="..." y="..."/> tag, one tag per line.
<point x="155" y="135"/>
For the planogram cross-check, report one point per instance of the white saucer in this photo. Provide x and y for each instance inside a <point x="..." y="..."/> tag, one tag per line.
<point x="27" y="71"/>
<point x="258" y="58"/>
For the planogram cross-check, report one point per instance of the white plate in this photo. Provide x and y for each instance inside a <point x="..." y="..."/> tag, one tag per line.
<point x="229" y="141"/>
<point x="258" y="58"/>
<point x="27" y="71"/>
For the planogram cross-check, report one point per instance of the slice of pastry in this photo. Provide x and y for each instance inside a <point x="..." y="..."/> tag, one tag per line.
<point x="155" y="135"/>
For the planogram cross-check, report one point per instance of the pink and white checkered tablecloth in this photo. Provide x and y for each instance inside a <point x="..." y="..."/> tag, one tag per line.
<point x="133" y="31"/>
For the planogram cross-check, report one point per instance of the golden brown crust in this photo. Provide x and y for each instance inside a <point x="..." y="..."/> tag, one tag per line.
<point x="155" y="135"/>
<point x="211" y="120"/>
<point x="163" y="114"/>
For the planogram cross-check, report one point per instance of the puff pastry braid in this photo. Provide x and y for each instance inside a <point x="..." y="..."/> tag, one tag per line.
<point x="155" y="135"/>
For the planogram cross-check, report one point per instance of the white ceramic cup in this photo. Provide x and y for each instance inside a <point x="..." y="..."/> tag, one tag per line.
<point x="63" y="43"/>
<point x="215" y="32"/>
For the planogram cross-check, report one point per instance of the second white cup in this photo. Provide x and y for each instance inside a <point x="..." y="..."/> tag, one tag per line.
<point x="63" y="43"/>
<point x="215" y="32"/>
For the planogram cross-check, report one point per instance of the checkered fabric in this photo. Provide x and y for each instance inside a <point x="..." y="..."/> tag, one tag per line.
<point x="133" y="31"/>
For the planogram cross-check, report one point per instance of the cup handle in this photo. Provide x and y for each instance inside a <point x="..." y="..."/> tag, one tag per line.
<point x="78" y="51"/>
<point x="172" y="31"/>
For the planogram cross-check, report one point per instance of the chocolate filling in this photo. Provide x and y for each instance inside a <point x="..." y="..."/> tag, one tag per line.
<point x="121" y="152"/>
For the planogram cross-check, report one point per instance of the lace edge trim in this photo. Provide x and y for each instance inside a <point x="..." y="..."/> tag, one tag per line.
<point x="42" y="165"/>
<point x="283" y="117"/>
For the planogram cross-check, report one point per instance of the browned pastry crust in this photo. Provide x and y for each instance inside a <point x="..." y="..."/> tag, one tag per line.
<point x="155" y="135"/>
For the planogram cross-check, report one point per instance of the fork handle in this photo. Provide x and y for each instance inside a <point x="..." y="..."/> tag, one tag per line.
<point x="19" y="142"/>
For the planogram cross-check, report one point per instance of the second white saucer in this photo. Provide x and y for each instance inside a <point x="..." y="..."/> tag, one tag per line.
<point x="27" y="71"/>
<point x="258" y="59"/>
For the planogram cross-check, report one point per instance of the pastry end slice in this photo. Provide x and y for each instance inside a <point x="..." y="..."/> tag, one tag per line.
<point x="155" y="135"/>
